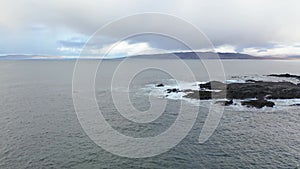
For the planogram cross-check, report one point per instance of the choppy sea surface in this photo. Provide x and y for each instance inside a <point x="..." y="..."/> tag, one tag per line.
<point x="39" y="126"/>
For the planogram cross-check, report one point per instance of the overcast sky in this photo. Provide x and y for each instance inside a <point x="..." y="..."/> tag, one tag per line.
<point x="62" y="27"/>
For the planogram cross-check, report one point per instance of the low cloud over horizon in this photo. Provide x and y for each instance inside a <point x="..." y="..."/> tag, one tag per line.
<point x="62" y="27"/>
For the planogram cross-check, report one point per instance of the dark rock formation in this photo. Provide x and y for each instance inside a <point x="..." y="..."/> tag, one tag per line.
<point x="160" y="85"/>
<point x="248" y="90"/>
<point x="285" y="75"/>
<point x="260" y="103"/>
<point x="259" y="89"/>
<point x="174" y="90"/>
<point x="204" y="95"/>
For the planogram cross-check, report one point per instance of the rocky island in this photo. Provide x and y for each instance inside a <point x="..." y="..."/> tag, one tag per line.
<point x="252" y="93"/>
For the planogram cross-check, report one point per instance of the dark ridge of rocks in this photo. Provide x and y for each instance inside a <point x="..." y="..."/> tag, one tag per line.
<point x="259" y="89"/>
<point x="160" y="85"/>
<point x="260" y="103"/>
<point x="253" y="81"/>
<point x="285" y="75"/>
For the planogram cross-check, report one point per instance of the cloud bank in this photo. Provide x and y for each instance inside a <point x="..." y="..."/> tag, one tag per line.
<point x="61" y="27"/>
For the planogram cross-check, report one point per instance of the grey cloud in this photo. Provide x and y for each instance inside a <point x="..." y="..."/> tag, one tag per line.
<point x="242" y="24"/>
<point x="159" y="41"/>
<point x="73" y="42"/>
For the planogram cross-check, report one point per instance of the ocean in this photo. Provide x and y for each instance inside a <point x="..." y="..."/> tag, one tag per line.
<point x="39" y="127"/>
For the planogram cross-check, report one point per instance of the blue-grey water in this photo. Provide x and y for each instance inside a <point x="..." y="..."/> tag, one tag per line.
<point x="39" y="127"/>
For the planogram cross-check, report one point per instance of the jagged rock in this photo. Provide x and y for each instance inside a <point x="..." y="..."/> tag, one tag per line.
<point x="260" y="103"/>
<point x="174" y="90"/>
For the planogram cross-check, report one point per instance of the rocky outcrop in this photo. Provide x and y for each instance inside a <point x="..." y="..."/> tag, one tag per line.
<point x="160" y="85"/>
<point x="260" y="90"/>
<point x="248" y="90"/>
<point x="258" y="103"/>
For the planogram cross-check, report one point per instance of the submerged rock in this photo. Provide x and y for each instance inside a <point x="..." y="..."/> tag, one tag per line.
<point x="260" y="103"/>
<point x="225" y="103"/>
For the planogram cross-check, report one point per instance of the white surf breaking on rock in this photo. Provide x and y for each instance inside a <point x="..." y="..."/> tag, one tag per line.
<point x="265" y="78"/>
<point x="161" y="92"/>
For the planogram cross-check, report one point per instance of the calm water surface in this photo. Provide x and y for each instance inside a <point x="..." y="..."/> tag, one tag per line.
<point x="39" y="126"/>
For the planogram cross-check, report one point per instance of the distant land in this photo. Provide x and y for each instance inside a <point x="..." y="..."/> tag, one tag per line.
<point x="294" y="57"/>
<point x="25" y="57"/>
<point x="213" y="55"/>
<point x="181" y="55"/>
<point x="197" y="55"/>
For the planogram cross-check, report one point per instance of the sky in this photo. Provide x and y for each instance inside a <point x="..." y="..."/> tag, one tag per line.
<point x="62" y="27"/>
